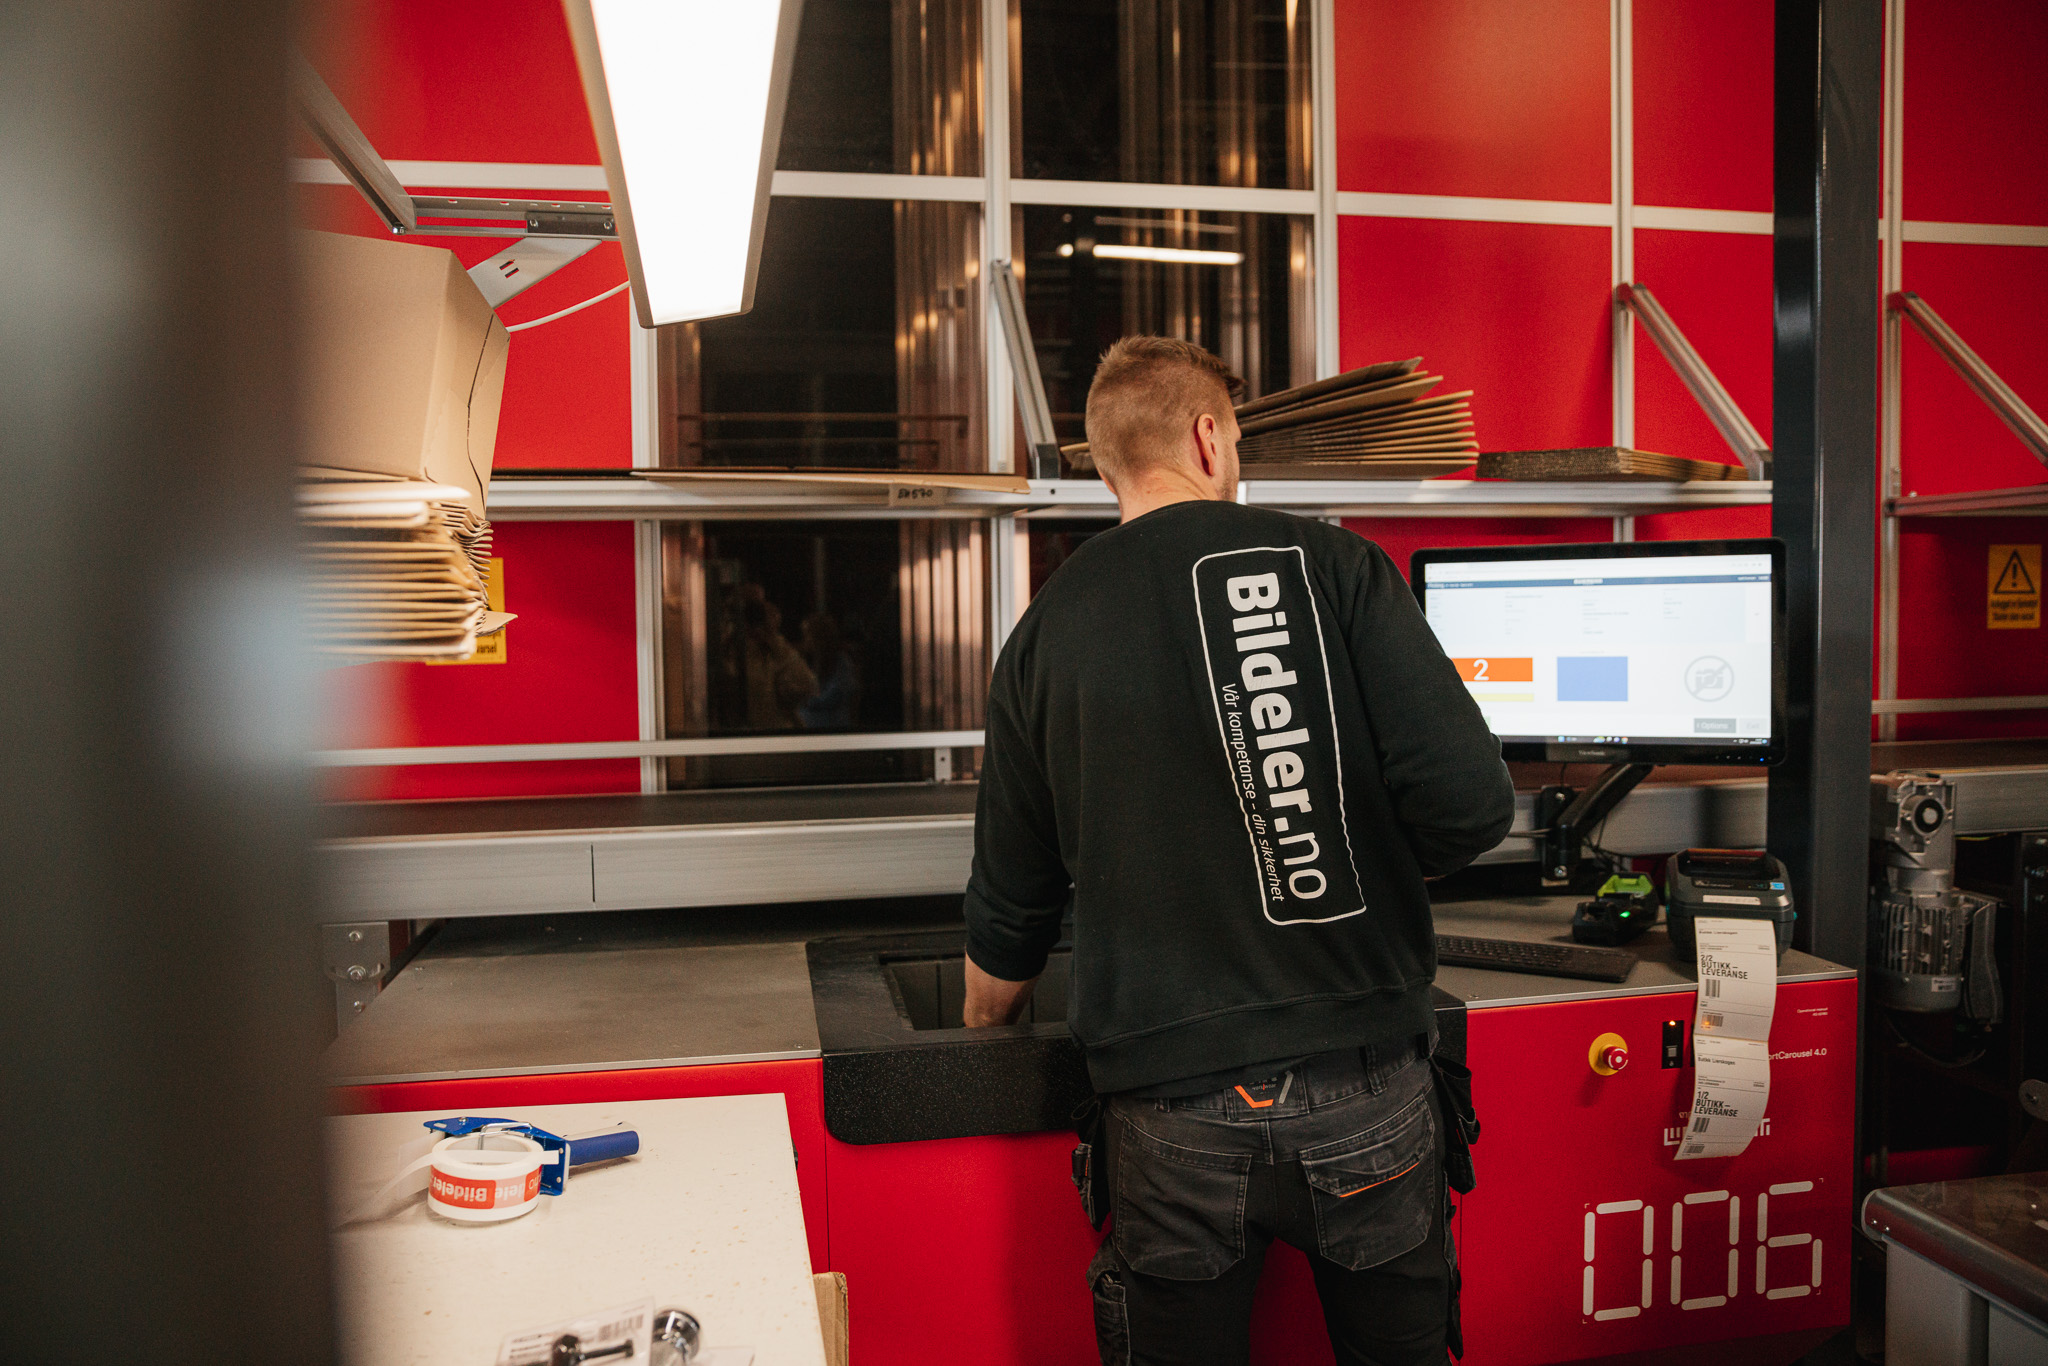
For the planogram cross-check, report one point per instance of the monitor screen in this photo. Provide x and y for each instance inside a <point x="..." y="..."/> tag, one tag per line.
<point x="1653" y="651"/>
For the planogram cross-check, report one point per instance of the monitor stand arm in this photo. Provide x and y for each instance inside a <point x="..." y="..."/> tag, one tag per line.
<point x="1564" y="815"/>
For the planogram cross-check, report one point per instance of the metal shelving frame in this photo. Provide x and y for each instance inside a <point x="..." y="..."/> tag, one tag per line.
<point x="1895" y="503"/>
<point x="997" y="190"/>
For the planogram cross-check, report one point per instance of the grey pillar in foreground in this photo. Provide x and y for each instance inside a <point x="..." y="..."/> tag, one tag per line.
<point x="161" y="1016"/>
<point x="1824" y="448"/>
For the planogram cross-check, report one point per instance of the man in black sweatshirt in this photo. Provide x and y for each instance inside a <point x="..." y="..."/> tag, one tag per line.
<point x="1226" y="740"/>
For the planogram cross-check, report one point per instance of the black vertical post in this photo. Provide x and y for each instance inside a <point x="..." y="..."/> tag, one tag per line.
<point x="161" y="1020"/>
<point x="1829" y="77"/>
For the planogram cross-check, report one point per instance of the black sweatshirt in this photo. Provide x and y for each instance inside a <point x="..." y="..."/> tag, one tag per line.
<point x="1228" y="737"/>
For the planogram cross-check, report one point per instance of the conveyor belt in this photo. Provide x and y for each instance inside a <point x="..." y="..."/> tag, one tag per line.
<point x="426" y="860"/>
<point x="635" y="811"/>
<point x="412" y="860"/>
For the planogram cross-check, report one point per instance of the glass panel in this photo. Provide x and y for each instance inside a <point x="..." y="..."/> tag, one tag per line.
<point x="1179" y="92"/>
<point x="890" y="87"/>
<point x="863" y="350"/>
<point x="1249" y="299"/>
<point x="795" y="627"/>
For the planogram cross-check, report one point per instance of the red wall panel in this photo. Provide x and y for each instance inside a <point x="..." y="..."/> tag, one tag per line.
<point x="570" y="673"/>
<point x="1994" y="297"/>
<point x="457" y="80"/>
<point x="1703" y="104"/>
<point x="1505" y="98"/>
<point x="1516" y="312"/>
<point x="568" y="383"/>
<point x="1976" y="144"/>
<point x="1401" y="537"/>
<point x="1708" y="524"/>
<point x="1945" y="647"/>
<point x="1717" y="287"/>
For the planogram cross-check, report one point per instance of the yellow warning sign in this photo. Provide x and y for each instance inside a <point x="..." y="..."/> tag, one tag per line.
<point x="490" y="649"/>
<point x="2013" y="601"/>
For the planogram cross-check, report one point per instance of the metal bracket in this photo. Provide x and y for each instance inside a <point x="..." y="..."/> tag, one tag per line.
<point x="538" y="217"/>
<point x="346" y="146"/>
<point x="1719" y="406"/>
<point x="350" y="151"/>
<point x="2010" y="407"/>
<point x="1566" y="816"/>
<point x="525" y="264"/>
<point x="356" y="956"/>
<point x="1031" y="404"/>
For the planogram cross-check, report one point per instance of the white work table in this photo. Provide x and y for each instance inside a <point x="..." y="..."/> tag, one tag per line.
<point x="705" y="1219"/>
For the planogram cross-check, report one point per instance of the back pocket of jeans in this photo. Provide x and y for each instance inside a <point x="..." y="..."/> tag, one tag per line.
<point x="1179" y="1211"/>
<point x="1375" y="1193"/>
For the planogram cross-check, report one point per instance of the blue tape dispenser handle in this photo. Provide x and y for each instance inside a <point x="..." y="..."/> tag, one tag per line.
<point x="607" y="1145"/>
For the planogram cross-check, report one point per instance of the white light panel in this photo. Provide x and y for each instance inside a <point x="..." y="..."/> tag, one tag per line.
<point x="1186" y="256"/>
<point x="686" y="97"/>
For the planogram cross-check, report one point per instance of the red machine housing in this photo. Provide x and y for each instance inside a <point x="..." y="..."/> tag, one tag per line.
<point x="1585" y="1240"/>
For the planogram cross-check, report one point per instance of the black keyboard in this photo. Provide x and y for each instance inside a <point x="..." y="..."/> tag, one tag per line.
<point x="1550" y="960"/>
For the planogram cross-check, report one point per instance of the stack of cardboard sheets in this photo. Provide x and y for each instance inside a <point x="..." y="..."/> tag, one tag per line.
<point x="1375" y="422"/>
<point x="396" y="568"/>
<point x="407" y="366"/>
<point x="1602" y="463"/>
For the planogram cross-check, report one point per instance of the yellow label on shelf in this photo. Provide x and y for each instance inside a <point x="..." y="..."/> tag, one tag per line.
<point x="2013" y="598"/>
<point x="490" y="649"/>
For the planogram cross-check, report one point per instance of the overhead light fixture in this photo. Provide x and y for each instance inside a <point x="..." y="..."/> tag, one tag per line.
<point x="686" y="98"/>
<point x="1186" y="256"/>
<point x="1164" y="224"/>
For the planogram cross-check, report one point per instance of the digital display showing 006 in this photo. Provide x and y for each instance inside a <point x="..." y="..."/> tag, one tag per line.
<point x="1707" y="1251"/>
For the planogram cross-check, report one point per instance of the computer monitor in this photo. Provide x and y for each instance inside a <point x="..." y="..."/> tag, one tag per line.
<point x="1631" y="652"/>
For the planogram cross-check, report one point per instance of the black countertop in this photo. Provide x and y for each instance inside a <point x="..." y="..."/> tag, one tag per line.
<point x="889" y="1081"/>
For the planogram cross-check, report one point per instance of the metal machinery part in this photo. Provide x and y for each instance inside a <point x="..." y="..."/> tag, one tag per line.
<point x="356" y="956"/>
<point x="676" y="1335"/>
<point x="1931" y="945"/>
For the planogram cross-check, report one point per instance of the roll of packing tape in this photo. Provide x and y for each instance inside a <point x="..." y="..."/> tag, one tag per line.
<point x="484" y="1178"/>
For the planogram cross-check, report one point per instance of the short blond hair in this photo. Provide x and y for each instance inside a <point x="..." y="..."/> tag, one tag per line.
<point x="1147" y="394"/>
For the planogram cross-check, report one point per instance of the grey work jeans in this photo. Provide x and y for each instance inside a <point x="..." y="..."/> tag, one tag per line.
<point x="1343" y="1160"/>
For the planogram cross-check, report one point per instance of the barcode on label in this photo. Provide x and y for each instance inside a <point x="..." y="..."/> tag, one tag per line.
<point x="1710" y="986"/>
<point x="1700" y="1125"/>
<point x="1694" y="1149"/>
<point x="624" y="1328"/>
<point x="1711" y="1019"/>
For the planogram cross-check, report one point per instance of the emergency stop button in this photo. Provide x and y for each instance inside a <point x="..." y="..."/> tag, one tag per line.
<point x="1608" y="1055"/>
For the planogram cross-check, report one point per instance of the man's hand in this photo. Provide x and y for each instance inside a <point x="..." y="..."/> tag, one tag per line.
<point x="992" y="1001"/>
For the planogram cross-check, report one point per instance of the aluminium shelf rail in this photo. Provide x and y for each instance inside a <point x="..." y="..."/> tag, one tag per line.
<point x="621" y="497"/>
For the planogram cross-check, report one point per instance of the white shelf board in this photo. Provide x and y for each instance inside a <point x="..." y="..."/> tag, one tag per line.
<point x="606" y="499"/>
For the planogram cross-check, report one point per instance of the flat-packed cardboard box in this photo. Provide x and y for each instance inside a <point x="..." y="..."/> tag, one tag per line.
<point x="404" y="362"/>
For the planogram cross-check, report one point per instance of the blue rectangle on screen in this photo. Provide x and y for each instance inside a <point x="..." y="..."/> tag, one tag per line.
<point x="1592" y="678"/>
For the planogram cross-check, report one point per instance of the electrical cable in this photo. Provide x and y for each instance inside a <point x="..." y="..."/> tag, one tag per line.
<point x="1946" y="1064"/>
<point x="572" y="308"/>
